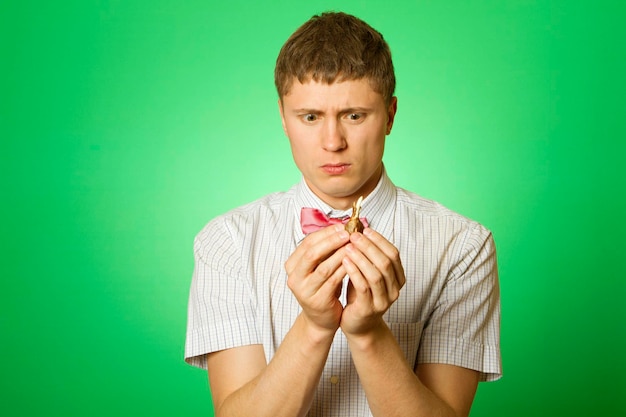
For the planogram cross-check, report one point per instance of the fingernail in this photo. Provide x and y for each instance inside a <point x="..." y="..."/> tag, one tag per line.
<point x="356" y="236"/>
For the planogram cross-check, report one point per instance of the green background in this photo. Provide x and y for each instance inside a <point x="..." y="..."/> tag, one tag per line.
<point x="126" y="125"/>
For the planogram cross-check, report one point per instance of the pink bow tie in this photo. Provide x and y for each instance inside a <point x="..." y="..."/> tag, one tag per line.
<point x="312" y="220"/>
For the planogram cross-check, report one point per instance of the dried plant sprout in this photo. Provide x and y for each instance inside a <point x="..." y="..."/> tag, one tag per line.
<point x="354" y="224"/>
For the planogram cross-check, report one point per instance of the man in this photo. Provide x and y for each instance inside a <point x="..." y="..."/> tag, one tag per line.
<point x="399" y="320"/>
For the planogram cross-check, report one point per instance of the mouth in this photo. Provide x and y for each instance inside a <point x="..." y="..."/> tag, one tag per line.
<point x="335" y="169"/>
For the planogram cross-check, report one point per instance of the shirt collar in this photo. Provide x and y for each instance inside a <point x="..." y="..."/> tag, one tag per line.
<point x="378" y="207"/>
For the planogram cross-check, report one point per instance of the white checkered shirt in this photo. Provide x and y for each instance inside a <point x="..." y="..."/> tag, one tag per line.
<point x="448" y="311"/>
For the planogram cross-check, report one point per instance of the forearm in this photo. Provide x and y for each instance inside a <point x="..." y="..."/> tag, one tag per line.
<point x="285" y="388"/>
<point x="391" y="386"/>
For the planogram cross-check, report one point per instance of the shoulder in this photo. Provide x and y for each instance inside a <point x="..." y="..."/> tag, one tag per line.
<point x="434" y="219"/>
<point x="240" y="223"/>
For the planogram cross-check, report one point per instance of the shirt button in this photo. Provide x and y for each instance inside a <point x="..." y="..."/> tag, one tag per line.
<point x="334" y="379"/>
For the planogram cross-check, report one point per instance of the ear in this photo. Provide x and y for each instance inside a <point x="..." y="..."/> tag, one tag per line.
<point x="282" y="116"/>
<point x="391" y="113"/>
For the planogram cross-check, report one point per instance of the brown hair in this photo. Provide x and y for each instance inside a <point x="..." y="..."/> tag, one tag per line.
<point x="335" y="47"/>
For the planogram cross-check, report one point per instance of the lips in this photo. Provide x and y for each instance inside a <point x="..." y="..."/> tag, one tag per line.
<point x="335" y="169"/>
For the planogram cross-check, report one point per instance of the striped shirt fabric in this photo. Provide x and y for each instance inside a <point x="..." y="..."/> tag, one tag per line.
<point x="448" y="311"/>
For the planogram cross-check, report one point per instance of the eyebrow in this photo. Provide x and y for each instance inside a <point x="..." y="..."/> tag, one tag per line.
<point x="306" y="111"/>
<point x="343" y="111"/>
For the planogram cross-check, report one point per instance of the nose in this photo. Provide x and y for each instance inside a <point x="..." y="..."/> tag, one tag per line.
<point x="333" y="139"/>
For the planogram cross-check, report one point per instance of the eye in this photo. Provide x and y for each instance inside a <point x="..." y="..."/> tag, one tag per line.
<point x="354" y="117"/>
<point x="309" y="117"/>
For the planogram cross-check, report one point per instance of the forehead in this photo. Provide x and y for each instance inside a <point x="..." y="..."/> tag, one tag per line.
<point x="343" y="93"/>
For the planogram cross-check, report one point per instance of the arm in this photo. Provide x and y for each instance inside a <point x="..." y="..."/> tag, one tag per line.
<point x="243" y="385"/>
<point x="436" y="390"/>
<point x="241" y="382"/>
<point x="377" y="276"/>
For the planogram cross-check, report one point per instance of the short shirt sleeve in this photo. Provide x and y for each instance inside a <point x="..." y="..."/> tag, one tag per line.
<point x="464" y="328"/>
<point x="221" y="310"/>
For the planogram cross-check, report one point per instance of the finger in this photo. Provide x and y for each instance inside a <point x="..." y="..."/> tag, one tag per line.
<point x="332" y="286"/>
<point x="391" y="254"/>
<point x="358" y="281"/>
<point x="308" y="285"/>
<point x="374" y="278"/>
<point x="328" y="272"/>
<point x="379" y="267"/>
<point x="315" y="248"/>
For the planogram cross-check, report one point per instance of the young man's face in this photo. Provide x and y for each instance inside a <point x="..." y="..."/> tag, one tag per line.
<point x="337" y="134"/>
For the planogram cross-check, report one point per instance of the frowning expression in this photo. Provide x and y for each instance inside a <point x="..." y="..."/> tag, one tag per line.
<point x="337" y="134"/>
